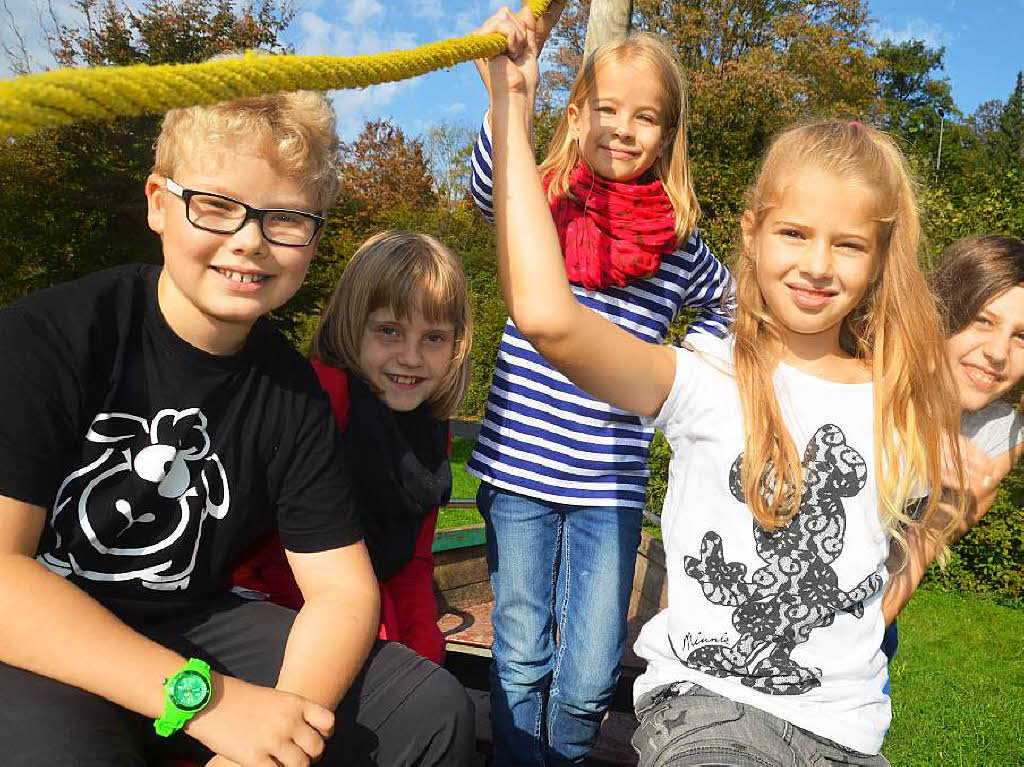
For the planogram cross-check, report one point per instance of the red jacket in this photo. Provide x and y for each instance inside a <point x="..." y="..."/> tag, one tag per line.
<point x="408" y="610"/>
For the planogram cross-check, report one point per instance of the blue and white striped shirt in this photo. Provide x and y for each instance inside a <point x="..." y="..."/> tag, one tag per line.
<point x="542" y="436"/>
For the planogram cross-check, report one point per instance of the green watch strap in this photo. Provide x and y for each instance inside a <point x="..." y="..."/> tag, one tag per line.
<point x="186" y="693"/>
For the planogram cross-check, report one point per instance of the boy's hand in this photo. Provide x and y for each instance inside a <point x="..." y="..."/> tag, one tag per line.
<point x="510" y="24"/>
<point x="254" y="725"/>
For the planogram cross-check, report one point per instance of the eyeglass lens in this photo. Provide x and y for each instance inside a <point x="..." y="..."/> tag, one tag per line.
<point x="284" y="227"/>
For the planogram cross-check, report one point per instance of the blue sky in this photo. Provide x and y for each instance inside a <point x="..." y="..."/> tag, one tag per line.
<point x="982" y="40"/>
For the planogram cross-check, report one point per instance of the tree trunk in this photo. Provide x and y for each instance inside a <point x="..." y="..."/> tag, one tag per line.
<point x="609" y="20"/>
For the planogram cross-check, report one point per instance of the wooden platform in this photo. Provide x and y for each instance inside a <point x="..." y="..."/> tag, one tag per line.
<point x="463" y="587"/>
<point x="470" y="663"/>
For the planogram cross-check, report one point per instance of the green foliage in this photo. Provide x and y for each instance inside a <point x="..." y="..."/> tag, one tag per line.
<point x="1008" y="140"/>
<point x="463" y="486"/>
<point x="73" y="203"/>
<point x="985" y="199"/>
<point x="911" y="99"/>
<point x="169" y="31"/>
<point x="73" y="197"/>
<point x="990" y="558"/>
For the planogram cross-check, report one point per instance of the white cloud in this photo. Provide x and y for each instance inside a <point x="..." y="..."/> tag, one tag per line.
<point x="476" y="14"/>
<point x="355" y="107"/>
<point x="318" y="36"/>
<point x="931" y="33"/>
<point x="361" y="11"/>
<point x="429" y="9"/>
<point x="455" y="108"/>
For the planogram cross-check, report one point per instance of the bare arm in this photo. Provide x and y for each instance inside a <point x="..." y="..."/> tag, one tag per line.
<point x="336" y="626"/>
<point x="908" y="567"/>
<point x="59" y="626"/>
<point x="64" y="634"/>
<point x="595" y="354"/>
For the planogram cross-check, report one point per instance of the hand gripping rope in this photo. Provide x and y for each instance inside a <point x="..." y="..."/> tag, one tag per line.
<point x="63" y="96"/>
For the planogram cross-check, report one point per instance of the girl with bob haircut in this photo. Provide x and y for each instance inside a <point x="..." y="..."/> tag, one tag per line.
<point x="406" y="273"/>
<point x="392" y="353"/>
<point x="564" y="474"/>
<point x="797" y="441"/>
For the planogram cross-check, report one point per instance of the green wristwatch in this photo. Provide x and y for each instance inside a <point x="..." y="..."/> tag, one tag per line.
<point x="187" y="693"/>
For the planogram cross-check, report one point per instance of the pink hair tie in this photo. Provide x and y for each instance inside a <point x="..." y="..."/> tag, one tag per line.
<point x="856" y="124"/>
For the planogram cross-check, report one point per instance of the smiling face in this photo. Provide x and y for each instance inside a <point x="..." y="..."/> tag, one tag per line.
<point x="815" y="256"/>
<point x="405" y="360"/>
<point x="621" y="127"/>
<point x="215" y="286"/>
<point x="987" y="356"/>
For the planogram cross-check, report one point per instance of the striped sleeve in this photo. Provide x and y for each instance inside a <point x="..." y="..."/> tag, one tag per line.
<point x="481" y="184"/>
<point x="711" y="290"/>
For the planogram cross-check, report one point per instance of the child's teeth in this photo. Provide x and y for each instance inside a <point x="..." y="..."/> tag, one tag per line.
<point x="239" y="277"/>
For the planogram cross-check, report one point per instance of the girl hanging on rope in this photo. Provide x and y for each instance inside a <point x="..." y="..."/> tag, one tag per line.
<point x="564" y="474"/>
<point x="797" y="440"/>
<point x="392" y="353"/>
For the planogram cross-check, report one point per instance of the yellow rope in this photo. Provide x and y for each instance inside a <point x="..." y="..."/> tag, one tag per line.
<point x="63" y="96"/>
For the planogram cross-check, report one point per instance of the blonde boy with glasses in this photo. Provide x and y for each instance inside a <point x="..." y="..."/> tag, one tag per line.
<point x="157" y="426"/>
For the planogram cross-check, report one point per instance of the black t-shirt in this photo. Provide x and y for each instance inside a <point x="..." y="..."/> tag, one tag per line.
<point x="160" y="464"/>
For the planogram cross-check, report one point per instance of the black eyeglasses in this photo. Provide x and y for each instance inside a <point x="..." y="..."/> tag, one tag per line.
<point x="226" y="215"/>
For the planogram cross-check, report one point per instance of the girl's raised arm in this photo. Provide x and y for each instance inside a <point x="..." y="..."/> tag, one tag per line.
<point x="592" y="352"/>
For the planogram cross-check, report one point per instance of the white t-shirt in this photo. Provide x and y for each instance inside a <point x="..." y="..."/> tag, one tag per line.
<point x="995" y="428"/>
<point x="789" y="622"/>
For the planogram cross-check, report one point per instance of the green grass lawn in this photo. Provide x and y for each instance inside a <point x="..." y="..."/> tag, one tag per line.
<point x="463" y="486"/>
<point x="957" y="681"/>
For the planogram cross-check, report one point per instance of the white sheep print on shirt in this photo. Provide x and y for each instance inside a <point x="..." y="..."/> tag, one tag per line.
<point x="137" y="507"/>
<point x="797" y="590"/>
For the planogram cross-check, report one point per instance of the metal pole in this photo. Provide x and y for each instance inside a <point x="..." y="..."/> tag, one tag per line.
<point x="938" y="159"/>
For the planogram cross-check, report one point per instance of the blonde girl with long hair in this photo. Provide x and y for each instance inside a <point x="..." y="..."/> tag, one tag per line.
<point x="797" y="441"/>
<point x="564" y="474"/>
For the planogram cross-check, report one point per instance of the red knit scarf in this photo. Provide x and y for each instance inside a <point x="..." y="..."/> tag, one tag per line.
<point x="612" y="232"/>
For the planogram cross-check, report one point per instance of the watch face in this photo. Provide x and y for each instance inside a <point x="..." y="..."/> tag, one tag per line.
<point x="190" y="691"/>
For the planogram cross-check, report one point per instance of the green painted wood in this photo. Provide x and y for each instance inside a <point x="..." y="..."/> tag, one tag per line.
<point x="458" y="538"/>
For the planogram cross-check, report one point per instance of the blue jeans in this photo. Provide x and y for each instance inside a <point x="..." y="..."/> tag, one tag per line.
<point x="556" y="571"/>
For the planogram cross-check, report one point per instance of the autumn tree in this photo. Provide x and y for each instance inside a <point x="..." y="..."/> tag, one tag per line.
<point x="168" y="31"/>
<point x="383" y="171"/>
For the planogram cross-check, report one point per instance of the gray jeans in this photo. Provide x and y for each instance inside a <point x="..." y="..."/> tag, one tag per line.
<point x="696" y="727"/>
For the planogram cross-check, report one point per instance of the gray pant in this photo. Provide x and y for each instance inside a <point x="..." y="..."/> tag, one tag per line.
<point x="401" y="710"/>
<point x="696" y="727"/>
